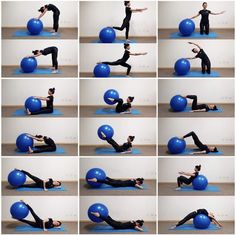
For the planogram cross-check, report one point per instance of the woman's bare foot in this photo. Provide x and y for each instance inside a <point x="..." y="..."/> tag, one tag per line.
<point x="55" y="71"/>
<point x="95" y="214"/>
<point x="92" y="180"/>
<point x="28" y="112"/>
<point x="30" y="150"/>
<point x="103" y="135"/>
<point x="52" y="31"/>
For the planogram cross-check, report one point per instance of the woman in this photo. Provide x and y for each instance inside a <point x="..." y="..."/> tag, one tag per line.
<point x="128" y="13"/>
<point x="120" y="183"/>
<point x="204" y="149"/>
<point x="193" y="214"/>
<point x="206" y="63"/>
<point x="39" y="223"/>
<point x="137" y="225"/>
<point x="123" y="60"/>
<point x="204" y="23"/>
<point x="184" y="180"/>
<point x="122" y="107"/>
<point x="49" y="101"/>
<point x="56" y="13"/>
<point x="200" y="107"/>
<point x="47" y="51"/>
<point x="49" y="146"/>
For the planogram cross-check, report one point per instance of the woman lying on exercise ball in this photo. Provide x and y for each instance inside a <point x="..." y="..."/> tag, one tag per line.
<point x="137" y="225"/>
<point x="193" y="214"/>
<point x="120" y="183"/>
<point x="204" y="149"/>
<point x="122" y="107"/>
<point x="122" y="61"/>
<point x="182" y="179"/>
<point x="49" y="103"/>
<point x="49" y="145"/>
<point x="39" y="223"/>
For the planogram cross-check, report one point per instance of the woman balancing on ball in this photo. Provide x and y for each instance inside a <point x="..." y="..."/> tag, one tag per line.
<point x="122" y="107"/>
<point x="56" y="13"/>
<point x="123" y="60"/>
<point x="49" y="101"/>
<point x="204" y="23"/>
<point x="126" y="22"/>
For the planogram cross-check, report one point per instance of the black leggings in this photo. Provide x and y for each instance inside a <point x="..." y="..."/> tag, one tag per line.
<point x="43" y="110"/>
<point x="38" y="182"/>
<point x="125" y="25"/>
<point x="206" y="66"/>
<point x="54" y="58"/>
<point x="116" y="146"/>
<point x="119" y="108"/>
<point x="56" y="21"/>
<point x="113" y="223"/>
<point x="194" y="103"/>
<point x="183" y="180"/>
<point x="44" y="148"/>
<point x="204" y="28"/>
<point x="187" y="218"/>
<point x="112" y="182"/>
<point x="121" y="63"/>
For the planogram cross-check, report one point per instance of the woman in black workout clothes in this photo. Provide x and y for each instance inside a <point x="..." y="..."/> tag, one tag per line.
<point x="184" y="180"/>
<point x="122" y="107"/>
<point x="123" y="60"/>
<point x="126" y="22"/>
<point x="39" y="223"/>
<point x="204" y="23"/>
<point x="49" y="101"/>
<point x="204" y="149"/>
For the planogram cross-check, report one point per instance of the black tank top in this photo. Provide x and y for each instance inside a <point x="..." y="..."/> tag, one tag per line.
<point x="202" y="55"/>
<point x="50" y="102"/>
<point x="48" y="141"/>
<point x="49" y="50"/>
<point x="125" y="56"/>
<point x="205" y="16"/>
<point x="128" y="13"/>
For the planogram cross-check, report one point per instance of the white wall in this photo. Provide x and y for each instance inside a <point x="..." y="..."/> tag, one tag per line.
<point x="141" y="24"/>
<point x="219" y="131"/>
<point x="220" y="170"/>
<point x="59" y="208"/>
<point x="61" y="130"/>
<point x="144" y="91"/>
<point x="17" y="13"/>
<point x="180" y="10"/>
<point x="216" y="91"/>
<point x="122" y="207"/>
<point x="175" y="208"/>
<point x="100" y="52"/>
<point x="13" y="51"/>
<point x="220" y="52"/>
<point x="14" y="91"/>
<point x="144" y="130"/>
<point x="121" y="168"/>
<point x="64" y="169"/>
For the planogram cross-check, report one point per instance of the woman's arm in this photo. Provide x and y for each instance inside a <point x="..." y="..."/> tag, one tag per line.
<point x="139" y="229"/>
<point x="195" y="16"/>
<point x="217" y="222"/>
<point x="42" y="14"/>
<point x="186" y="173"/>
<point x="138" y="186"/>
<point x="190" y="58"/>
<point x="44" y="186"/>
<point x="195" y="44"/>
<point x="41" y="98"/>
<point x="34" y="137"/>
<point x="44" y="228"/>
<point x="198" y="110"/>
<point x="139" y="9"/>
<point x="136" y="54"/>
<point x="39" y="54"/>
<point x="219" y="13"/>
<point x="198" y="152"/>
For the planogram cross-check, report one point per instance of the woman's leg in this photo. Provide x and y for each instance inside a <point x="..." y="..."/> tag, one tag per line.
<point x="42" y="110"/>
<point x="117" y="62"/>
<point x="111" y="222"/>
<point x="194" y="102"/>
<point x="55" y="22"/>
<point x="127" y="31"/>
<point x="127" y="66"/>
<point x="207" y="28"/>
<point x="54" y="59"/>
<point x="187" y="218"/>
<point x="183" y="180"/>
<point x="121" y="27"/>
<point x="201" y="28"/>
<point x="109" y="181"/>
<point x="31" y="223"/>
<point x="203" y="67"/>
<point x="34" y="178"/>
<point x="114" y="144"/>
<point x="36" y="217"/>
<point x="44" y="148"/>
<point x="119" y="105"/>
<point x="208" y="65"/>
<point x="196" y="140"/>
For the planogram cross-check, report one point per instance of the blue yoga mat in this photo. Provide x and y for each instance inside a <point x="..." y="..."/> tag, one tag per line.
<point x="109" y="151"/>
<point x="62" y="188"/>
<point x="116" y="41"/>
<point x="36" y="71"/>
<point x="110" y="111"/>
<point x="21" y="113"/>
<point x="108" y="187"/>
<point x="209" y="188"/>
<point x="25" y="33"/>
<point x="189" y="151"/>
<point x="59" y="150"/>
<point x="100" y="228"/>
<point x="188" y="108"/>
<point x="191" y="227"/>
<point x="194" y="35"/>
<point x="22" y="228"/>
<point x="199" y="74"/>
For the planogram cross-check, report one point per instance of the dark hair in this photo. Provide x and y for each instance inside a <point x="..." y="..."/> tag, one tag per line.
<point x="215" y="107"/>
<point x="204" y="3"/>
<point x="193" y="50"/>
<point x="59" y="223"/>
<point x="126" y="3"/>
<point x="198" y="167"/>
<point x="35" y="52"/>
<point x="140" y="180"/>
<point x="140" y="222"/>
<point x="131" y="98"/>
<point x="41" y="9"/>
<point x="59" y="183"/>
<point x="215" y="150"/>
<point x="52" y="90"/>
<point x="126" y="45"/>
<point x="39" y="136"/>
<point x="131" y="138"/>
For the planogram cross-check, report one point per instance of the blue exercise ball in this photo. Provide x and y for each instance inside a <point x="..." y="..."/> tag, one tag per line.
<point x="107" y="35"/>
<point x="200" y="182"/>
<point x="19" y="210"/>
<point x="16" y="178"/>
<point x="23" y="142"/>
<point x="34" y="26"/>
<point x="111" y="93"/>
<point x="186" y="27"/>
<point x="33" y="104"/>
<point x="107" y="130"/>
<point x="97" y="173"/>
<point x="178" y="103"/>
<point x="176" y="145"/>
<point x="101" y="209"/>
<point x="28" y="65"/>
<point x="201" y="221"/>
<point x="101" y="71"/>
<point x="182" y="66"/>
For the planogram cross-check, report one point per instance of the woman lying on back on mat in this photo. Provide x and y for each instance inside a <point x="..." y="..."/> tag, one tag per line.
<point x="202" y="147"/>
<point x="49" y="145"/>
<point x="39" y="183"/>
<point x="137" y="225"/>
<point x="193" y="214"/>
<point x="49" y="101"/>
<point x="122" y="107"/>
<point x="39" y="223"/>
<point x="184" y="180"/>
<point x="120" y="183"/>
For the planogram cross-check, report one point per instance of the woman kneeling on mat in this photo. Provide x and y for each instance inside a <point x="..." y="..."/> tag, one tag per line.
<point x="137" y="225"/>
<point x="193" y="214"/>
<point x="39" y="223"/>
<point x="184" y="180"/>
<point x="202" y="147"/>
<point x="49" y="146"/>
<point x="122" y="61"/>
<point x="120" y="183"/>
<point x="122" y="107"/>
<point x="49" y="101"/>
